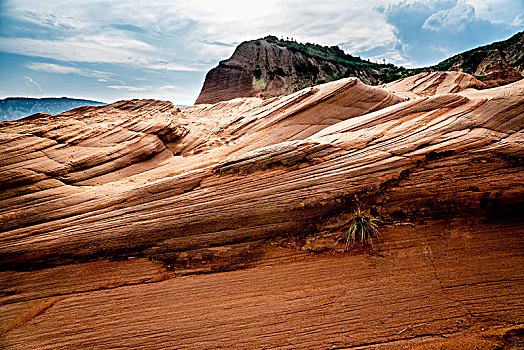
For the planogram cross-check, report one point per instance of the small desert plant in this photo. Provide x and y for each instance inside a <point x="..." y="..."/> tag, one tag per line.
<point x="361" y="229"/>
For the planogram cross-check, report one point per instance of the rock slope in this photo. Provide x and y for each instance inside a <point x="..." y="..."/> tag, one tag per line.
<point x="104" y="209"/>
<point x="434" y="83"/>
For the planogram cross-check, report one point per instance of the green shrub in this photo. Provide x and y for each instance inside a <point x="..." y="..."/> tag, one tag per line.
<point x="362" y="229"/>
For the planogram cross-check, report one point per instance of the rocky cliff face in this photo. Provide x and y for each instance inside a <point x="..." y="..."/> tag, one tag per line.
<point x="495" y="64"/>
<point x="103" y="209"/>
<point x="262" y="68"/>
<point x="270" y="67"/>
<point x="494" y="70"/>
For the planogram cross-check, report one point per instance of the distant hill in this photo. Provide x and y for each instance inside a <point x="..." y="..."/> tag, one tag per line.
<point x="13" y="108"/>
<point x="270" y="67"/>
<point x="499" y="63"/>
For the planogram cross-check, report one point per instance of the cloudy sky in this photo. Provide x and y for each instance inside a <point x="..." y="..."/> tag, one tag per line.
<point x="121" y="49"/>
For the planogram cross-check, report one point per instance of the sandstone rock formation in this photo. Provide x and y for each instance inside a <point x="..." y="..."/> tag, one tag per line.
<point x="271" y="67"/>
<point x="263" y="68"/>
<point x="434" y="83"/>
<point x="103" y="209"/>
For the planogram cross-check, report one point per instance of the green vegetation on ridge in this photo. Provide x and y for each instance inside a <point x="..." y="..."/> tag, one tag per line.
<point x="380" y="73"/>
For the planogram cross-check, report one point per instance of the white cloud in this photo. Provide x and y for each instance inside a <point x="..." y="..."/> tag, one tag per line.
<point x="79" y="49"/>
<point x="169" y="87"/>
<point x="181" y="31"/>
<point x="359" y="44"/>
<point x="498" y="11"/>
<point x="53" y="68"/>
<point x="130" y="88"/>
<point x="519" y="20"/>
<point x="391" y="56"/>
<point x="165" y="88"/>
<point x="53" y="21"/>
<point x="92" y="49"/>
<point x="453" y="19"/>
<point x="31" y="83"/>
<point x="60" y="69"/>
<point x="174" y="67"/>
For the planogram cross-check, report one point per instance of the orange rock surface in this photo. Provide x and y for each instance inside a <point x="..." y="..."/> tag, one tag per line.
<point x="109" y="213"/>
<point x="434" y="83"/>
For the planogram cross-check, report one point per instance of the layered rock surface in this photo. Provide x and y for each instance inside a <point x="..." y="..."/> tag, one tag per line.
<point x="104" y="208"/>
<point x="434" y="83"/>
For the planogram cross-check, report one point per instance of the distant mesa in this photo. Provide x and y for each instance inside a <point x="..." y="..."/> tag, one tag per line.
<point x="270" y="67"/>
<point x="13" y="108"/>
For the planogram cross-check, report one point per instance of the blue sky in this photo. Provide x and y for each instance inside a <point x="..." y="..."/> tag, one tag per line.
<point x="122" y="49"/>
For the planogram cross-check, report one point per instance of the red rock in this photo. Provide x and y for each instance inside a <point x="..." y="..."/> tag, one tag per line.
<point x="495" y="71"/>
<point x="263" y="68"/>
<point x="102" y="208"/>
<point x="433" y="83"/>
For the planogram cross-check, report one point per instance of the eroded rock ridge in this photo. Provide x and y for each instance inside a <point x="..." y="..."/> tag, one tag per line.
<point x="104" y="209"/>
